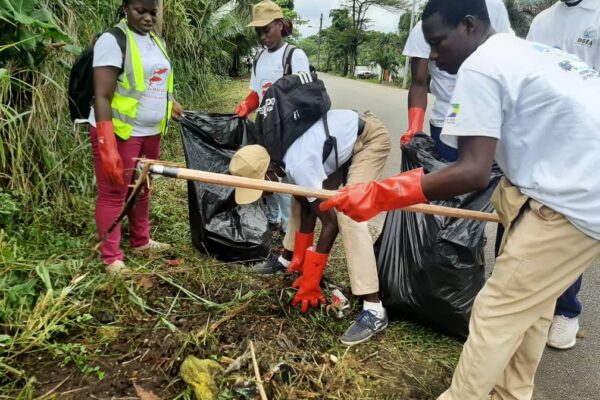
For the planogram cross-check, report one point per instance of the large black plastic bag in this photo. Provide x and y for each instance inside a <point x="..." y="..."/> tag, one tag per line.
<point x="219" y="226"/>
<point x="432" y="267"/>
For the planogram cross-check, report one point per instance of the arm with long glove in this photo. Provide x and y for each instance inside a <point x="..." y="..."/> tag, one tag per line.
<point x="416" y="117"/>
<point x="470" y="173"/>
<point x="364" y="201"/>
<point x="112" y="164"/>
<point x="247" y="106"/>
<point x="417" y="98"/>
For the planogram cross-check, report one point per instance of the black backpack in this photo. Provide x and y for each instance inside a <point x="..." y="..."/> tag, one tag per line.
<point x="81" y="79"/>
<point x="303" y="100"/>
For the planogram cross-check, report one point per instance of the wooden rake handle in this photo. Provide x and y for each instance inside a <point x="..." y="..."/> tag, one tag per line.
<point x="176" y="171"/>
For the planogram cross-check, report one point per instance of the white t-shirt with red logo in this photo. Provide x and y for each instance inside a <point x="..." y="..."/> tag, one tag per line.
<point x="269" y="68"/>
<point x="153" y="103"/>
<point x="574" y="29"/>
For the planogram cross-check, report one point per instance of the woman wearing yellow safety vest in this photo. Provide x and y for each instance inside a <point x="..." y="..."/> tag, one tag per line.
<point x="133" y="105"/>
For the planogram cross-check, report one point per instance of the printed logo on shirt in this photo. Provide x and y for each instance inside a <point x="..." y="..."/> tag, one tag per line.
<point x="265" y="85"/>
<point x="451" y="119"/>
<point x="569" y="62"/>
<point x="588" y="37"/>
<point x="159" y="74"/>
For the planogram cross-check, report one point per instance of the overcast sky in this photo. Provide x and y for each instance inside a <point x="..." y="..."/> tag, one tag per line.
<point x="381" y="20"/>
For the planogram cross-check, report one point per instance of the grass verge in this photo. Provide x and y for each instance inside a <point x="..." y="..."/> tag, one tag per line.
<point x="70" y="332"/>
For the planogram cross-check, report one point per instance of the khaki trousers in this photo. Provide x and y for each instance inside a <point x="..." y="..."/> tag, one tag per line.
<point x="542" y="256"/>
<point x="370" y="154"/>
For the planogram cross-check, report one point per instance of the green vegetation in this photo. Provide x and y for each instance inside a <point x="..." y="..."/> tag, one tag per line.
<point x="67" y="331"/>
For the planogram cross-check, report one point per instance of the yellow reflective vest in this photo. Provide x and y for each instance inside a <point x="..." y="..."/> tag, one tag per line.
<point x="131" y="86"/>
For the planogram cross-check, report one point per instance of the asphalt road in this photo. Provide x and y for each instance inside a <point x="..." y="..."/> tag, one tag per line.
<point x="562" y="375"/>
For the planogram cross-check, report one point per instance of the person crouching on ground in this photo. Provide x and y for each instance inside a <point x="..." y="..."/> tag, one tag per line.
<point x="138" y="83"/>
<point x="363" y="146"/>
<point x="270" y="64"/>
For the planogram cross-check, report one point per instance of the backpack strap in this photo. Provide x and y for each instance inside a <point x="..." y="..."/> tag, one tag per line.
<point x="287" y="59"/>
<point x="256" y="60"/>
<point x="330" y="144"/>
<point x="120" y="37"/>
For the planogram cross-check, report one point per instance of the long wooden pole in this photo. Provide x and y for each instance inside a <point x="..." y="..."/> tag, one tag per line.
<point x="161" y="17"/>
<point x="175" y="171"/>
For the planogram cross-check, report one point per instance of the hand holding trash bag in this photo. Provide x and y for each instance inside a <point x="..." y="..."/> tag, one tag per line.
<point x="177" y="111"/>
<point x="416" y="116"/>
<point x="309" y="289"/>
<point x="112" y="164"/>
<point x="249" y="104"/>
<point x="364" y="201"/>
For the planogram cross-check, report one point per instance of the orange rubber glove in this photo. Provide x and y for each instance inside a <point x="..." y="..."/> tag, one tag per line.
<point x="249" y="104"/>
<point x="112" y="165"/>
<point x="416" y="117"/>
<point x="302" y="242"/>
<point x="363" y="201"/>
<point x="309" y="289"/>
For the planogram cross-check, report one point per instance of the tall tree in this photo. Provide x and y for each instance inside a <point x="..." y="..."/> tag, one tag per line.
<point x="358" y="12"/>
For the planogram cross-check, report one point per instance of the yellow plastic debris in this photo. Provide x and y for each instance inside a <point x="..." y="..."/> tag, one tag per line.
<point x="200" y="375"/>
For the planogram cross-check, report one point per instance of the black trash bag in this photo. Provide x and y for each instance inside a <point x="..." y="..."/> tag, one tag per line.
<point x="219" y="226"/>
<point x="432" y="267"/>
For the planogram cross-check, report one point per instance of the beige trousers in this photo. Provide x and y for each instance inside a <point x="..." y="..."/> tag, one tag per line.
<point x="370" y="154"/>
<point x="542" y="256"/>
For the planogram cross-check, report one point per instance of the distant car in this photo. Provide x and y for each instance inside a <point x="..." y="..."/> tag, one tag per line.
<point x="362" y="72"/>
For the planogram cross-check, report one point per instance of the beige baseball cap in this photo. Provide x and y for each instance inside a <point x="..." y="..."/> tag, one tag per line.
<point x="264" y="13"/>
<point x="249" y="162"/>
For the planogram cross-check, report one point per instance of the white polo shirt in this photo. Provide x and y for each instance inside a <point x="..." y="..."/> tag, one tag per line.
<point x="544" y="113"/>
<point x="442" y="83"/>
<point x="304" y="159"/>
<point x="573" y="29"/>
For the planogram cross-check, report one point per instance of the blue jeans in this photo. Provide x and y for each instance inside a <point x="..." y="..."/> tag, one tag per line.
<point x="446" y="152"/>
<point x="278" y="209"/>
<point x="567" y="305"/>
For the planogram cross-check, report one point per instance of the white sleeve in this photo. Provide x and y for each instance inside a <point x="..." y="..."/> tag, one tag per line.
<point x="416" y="46"/>
<point x="300" y="62"/>
<point x="499" y="16"/>
<point x="475" y="108"/>
<point x="107" y="52"/>
<point x="533" y="34"/>
<point x="254" y="85"/>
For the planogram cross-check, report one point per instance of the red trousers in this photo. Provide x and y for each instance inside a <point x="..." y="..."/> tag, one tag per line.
<point x="111" y="198"/>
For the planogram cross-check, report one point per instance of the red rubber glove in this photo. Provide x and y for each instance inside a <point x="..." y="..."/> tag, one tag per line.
<point x="309" y="289"/>
<point x="302" y="242"/>
<point x="416" y="117"/>
<point x="112" y="165"/>
<point x="364" y="201"/>
<point x="249" y="104"/>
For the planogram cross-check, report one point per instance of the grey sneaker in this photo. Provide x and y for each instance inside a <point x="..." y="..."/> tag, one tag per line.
<point x="366" y="325"/>
<point x="270" y="265"/>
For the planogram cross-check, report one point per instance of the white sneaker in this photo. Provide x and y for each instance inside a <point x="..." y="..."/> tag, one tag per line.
<point x="151" y="246"/>
<point x="117" y="268"/>
<point x="563" y="332"/>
